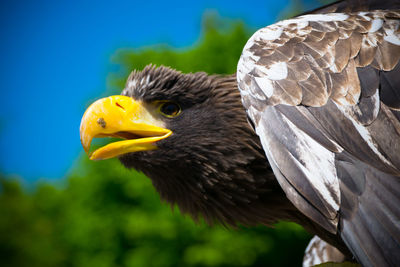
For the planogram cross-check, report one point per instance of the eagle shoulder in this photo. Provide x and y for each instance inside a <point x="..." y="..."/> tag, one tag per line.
<point x="322" y="91"/>
<point x="313" y="58"/>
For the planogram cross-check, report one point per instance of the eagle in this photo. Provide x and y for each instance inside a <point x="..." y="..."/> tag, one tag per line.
<point x="307" y="130"/>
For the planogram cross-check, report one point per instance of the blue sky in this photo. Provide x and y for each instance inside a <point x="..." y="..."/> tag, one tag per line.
<point x="55" y="56"/>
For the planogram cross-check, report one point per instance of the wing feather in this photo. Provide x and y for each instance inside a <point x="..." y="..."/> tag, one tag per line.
<point x="323" y="92"/>
<point x="288" y="147"/>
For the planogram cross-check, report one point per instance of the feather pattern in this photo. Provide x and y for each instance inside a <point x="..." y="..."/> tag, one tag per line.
<point x="315" y="48"/>
<point x="318" y="251"/>
<point x="327" y="114"/>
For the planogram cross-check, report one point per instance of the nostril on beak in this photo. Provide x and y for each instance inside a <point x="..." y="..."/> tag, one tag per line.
<point x="119" y="105"/>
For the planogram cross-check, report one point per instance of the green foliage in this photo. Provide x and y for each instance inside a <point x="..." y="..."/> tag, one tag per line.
<point x="108" y="216"/>
<point x="105" y="215"/>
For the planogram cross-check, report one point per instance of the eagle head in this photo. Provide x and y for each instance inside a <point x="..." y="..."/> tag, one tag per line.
<point x="189" y="134"/>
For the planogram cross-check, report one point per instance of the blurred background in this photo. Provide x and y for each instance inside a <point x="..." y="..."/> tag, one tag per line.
<point x="59" y="209"/>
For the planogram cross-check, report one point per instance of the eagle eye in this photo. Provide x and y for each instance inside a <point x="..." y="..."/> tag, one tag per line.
<point x="170" y="109"/>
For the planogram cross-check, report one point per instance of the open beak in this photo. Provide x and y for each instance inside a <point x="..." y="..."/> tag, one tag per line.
<point x="122" y="117"/>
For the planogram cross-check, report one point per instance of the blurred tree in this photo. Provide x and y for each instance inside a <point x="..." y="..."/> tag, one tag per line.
<point x="105" y="215"/>
<point x="108" y="216"/>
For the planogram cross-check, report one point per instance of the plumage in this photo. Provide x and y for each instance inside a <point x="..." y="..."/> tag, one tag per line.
<point x="321" y="93"/>
<point x="353" y="108"/>
<point x="318" y="251"/>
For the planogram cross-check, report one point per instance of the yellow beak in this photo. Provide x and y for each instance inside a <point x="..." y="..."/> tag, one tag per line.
<point x="122" y="117"/>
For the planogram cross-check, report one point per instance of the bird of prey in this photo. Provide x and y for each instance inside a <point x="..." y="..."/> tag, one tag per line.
<point x="307" y="130"/>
